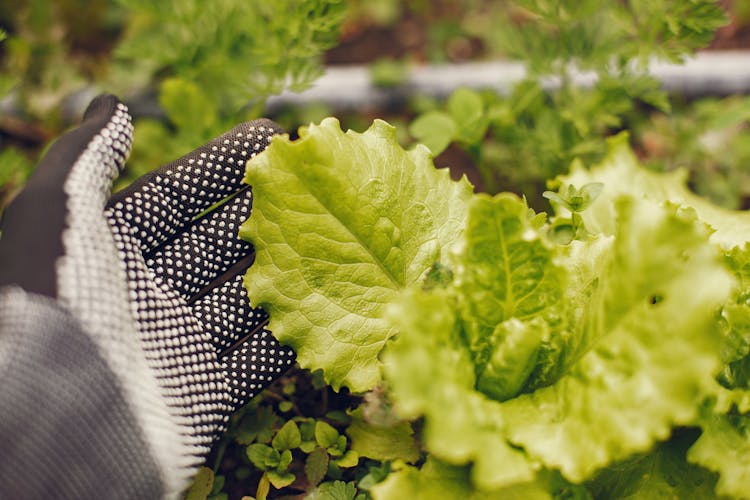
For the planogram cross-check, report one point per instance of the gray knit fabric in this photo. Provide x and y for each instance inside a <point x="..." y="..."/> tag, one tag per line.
<point x="61" y="405"/>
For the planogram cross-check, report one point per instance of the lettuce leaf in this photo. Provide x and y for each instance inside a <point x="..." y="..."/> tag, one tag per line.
<point x="341" y="222"/>
<point x="642" y="324"/>
<point x="664" y="472"/>
<point x="621" y="174"/>
<point x="439" y="480"/>
<point x="655" y="354"/>
<point x="724" y="447"/>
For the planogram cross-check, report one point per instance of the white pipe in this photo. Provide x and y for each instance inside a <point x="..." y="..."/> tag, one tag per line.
<point x="351" y="87"/>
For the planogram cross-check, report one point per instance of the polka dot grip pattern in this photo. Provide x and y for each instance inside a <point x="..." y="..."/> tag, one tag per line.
<point x="209" y="248"/>
<point x="207" y="347"/>
<point x="170" y="258"/>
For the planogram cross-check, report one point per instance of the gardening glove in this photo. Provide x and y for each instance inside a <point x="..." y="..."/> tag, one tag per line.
<point x="126" y="335"/>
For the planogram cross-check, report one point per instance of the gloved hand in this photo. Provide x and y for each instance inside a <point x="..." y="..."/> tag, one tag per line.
<point x="126" y="335"/>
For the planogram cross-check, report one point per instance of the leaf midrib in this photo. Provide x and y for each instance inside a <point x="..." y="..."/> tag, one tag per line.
<point x="387" y="272"/>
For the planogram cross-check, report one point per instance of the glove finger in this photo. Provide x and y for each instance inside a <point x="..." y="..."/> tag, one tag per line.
<point x="253" y="364"/>
<point x="160" y="204"/>
<point x="74" y="177"/>
<point x="227" y="315"/>
<point x="206" y="250"/>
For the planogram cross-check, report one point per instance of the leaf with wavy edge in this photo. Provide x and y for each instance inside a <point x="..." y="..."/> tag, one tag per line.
<point x="340" y="223"/>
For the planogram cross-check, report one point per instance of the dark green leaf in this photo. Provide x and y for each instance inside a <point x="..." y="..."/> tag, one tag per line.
<point x="218" y="484"/>
<point x="316" y="466"/>
<point x="257" y="425"/>
<point x="435" y="130"/>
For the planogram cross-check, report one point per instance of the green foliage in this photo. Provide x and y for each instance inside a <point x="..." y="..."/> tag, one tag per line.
<point x="213" y="63"/>
<point x="465" y="121"/>
<point x="203" y="483"/>
<point x="236" y="51"/>
<point x="540" y="368"/>
<point x="305" y="451"/>
<point x="335" y="490"/>
<point x="527" y="345"/>
<point x="15" y="168"/>
<point x="550" y="34"/>
<point x="710" y="137"/>
<point x="538" y="130"/>
<point x="388" y="72"/>
<point x="382" y="442"/>
<point x="221" y="58"/>
<point x="36" y="60"/>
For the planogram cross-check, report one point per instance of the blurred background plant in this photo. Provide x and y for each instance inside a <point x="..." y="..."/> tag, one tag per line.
<point x="211" y="64"/>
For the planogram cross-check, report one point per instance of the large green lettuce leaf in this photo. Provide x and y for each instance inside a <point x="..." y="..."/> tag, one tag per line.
<point x="510" y="292"/>
<point x="654" y="356"/>
<point x="341" y="222"/>
<point x="636" y="312"/>
<point x="533" y="364"/>
<point x="723" y="446"/>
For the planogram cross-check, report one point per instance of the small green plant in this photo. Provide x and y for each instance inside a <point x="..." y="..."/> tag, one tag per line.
<point x="574" y="201"/>
<point x="301" y="439"/>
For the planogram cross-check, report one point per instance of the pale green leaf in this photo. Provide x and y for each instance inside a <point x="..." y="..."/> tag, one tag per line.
<point x="308" y="446"/>
<point x="631" y="350"/>
<point x="434" y="129"/>
<point x="280" y="479"/>
<point x="263" y="457"/>
<point x="316" y="466"/>
<point x="621" y="174"/>
<point x="439" y="480"/>
<point x="467" y="110"/>
<point x="649" y="362"/>
<point x="349" y="459"/>
<point x="325" y="434"/>
<point x="341" y="222"/>
<point x="284" y="460"/>
<point x="288" y="437"/>
<point x="431" y="374"/>
<point x="512" y="358"/>
<point x="264" y="486"/>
